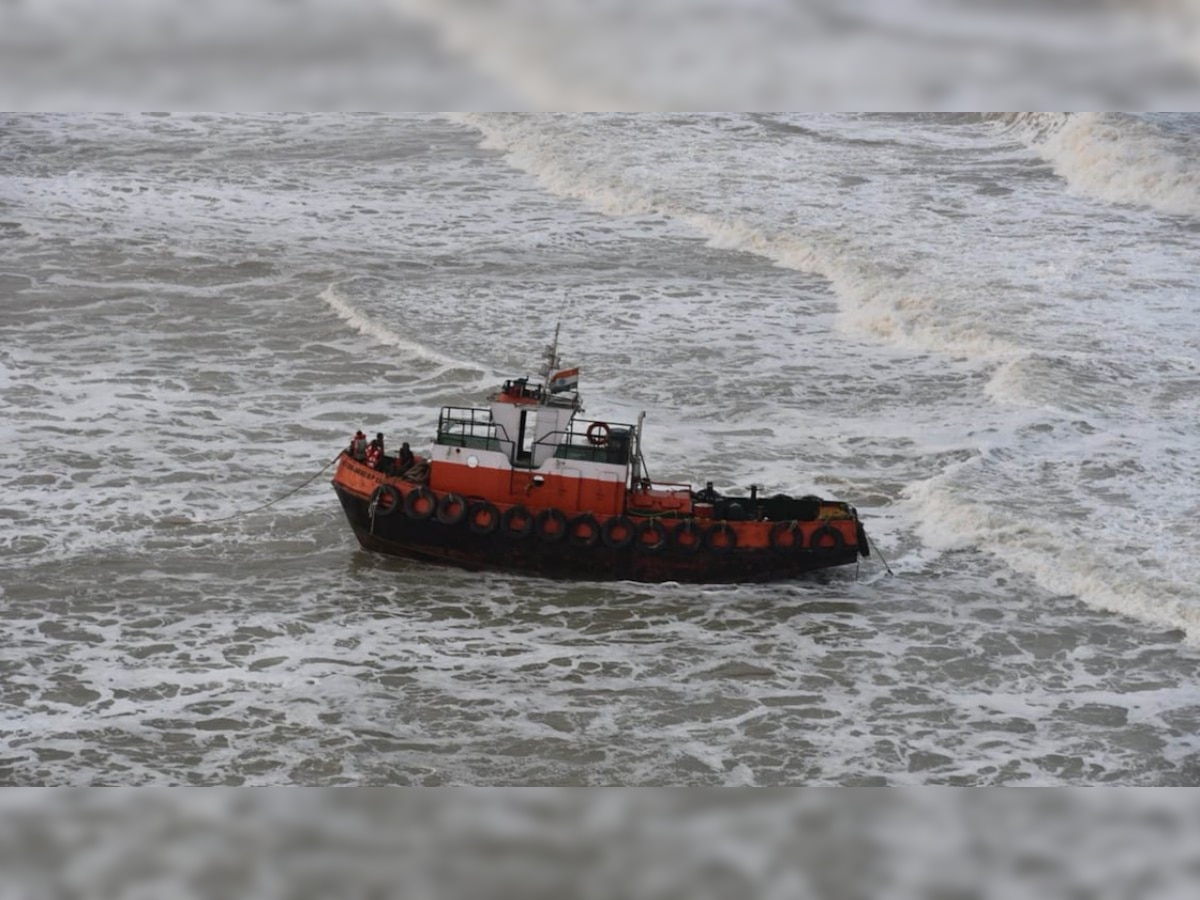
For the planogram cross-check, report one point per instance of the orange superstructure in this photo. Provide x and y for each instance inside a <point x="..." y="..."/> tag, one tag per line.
<point x="527" y="484"/>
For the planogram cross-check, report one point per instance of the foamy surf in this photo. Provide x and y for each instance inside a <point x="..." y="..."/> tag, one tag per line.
<point x="1106" y="575"/>
<point x="378" y="331"/>
<point x="1118" y="159"/>
<point x="898" y="308"/>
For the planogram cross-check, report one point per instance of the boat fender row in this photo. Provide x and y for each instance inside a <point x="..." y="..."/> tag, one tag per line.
<point x="786" y="536"/>
<point x="617" y="532"/>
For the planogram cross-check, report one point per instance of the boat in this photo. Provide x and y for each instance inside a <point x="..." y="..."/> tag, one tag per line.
<point x="527" y="485"/>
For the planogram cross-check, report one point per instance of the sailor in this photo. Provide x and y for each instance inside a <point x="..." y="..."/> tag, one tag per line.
<point x="358" y="445"/>
<point x="404" y="460"/>
<point x="374" y="453"/>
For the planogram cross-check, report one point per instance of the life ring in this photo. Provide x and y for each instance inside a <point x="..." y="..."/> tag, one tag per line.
<point x="651" y="536"/>
<point x="826" y="531"/>
<point x="550" y="525"/>
<point x="483" y="518"/>
<point x="451" y="509"/>
<point x="516" y="522"/>
<point x="688" y="536"/>
<point x="583" y="530"/>
<point x="721" y="538"/>
<point x="618" y="533"/>
<point x="420" y="504"/>
<point x="786" y="536"/>
<point x="381" y="507"/>
<point x="598" y="434"/>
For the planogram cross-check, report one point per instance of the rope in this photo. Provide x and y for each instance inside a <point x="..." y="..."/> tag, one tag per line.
<point x="247" y="512"/>
<point x="875" y="547"/>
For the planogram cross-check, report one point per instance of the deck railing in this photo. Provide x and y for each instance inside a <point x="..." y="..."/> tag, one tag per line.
<point x="460" y="426"/>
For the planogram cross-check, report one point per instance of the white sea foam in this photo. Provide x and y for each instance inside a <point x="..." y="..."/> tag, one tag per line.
<point x="1101" y="571"/>
<point x="900" y="310"/>
<point x="376" y="329"/>
<point x="1120" y="159"/>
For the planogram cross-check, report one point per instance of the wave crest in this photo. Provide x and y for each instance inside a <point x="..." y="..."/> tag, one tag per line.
<point x="1116" y="158"/>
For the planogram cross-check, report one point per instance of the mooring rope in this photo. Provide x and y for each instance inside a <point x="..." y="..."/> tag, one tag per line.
<point x="247" y="512"/>
<point x="875" y="547"/>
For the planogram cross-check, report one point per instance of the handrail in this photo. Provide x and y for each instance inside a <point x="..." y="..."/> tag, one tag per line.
<point x="650" y="485"/>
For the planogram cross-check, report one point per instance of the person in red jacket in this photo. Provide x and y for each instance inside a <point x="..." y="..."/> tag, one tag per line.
<point x="374" y="454"/>
<point x="358" y="445"/>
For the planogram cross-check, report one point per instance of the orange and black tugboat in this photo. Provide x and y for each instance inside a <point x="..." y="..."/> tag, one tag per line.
<point x="527" y="485"/>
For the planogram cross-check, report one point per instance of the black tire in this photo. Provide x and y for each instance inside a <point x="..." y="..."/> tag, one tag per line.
<point x="825" y="531"/>
<point x="613" y="526"/>
<point x="720" y="530"/>
<point x="653" y="526"/>
<point x="786" y="537"/>
<point x="864" y="546"/>
<point x="688" y="536"/>
<point x="483" y="518"/>
<point x="385" y="508"/>
<point x="420" y="504"/>
<point x="585" y="521"/>
<point x="451" y="509"/>
<point x="546" y="532"/>
<point x="517" y="522"/>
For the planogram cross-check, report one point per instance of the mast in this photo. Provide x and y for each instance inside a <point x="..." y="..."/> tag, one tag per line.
<point x="552" y="367"/>
<point x="551" y="364"/>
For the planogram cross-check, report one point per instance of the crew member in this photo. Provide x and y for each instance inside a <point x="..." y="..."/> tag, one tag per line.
<point x="374" y="454"/>
<point x="358" y="446"/>
<point x="404" y="460"/>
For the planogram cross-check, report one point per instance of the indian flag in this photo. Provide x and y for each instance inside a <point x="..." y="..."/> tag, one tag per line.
<point x="564" y="380"/>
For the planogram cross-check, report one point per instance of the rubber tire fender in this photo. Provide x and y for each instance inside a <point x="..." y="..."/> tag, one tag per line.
<point x="547" y="515"/>
<point x="814" y="542"/>
<point x="451" y="509"/>
<point x="488" y="526"/>
<point x="393" y="495"/>
<point x="517" y="512"/>
<point x="692" y="528"/>
<point x="718" y="529"/>
<point x="611" y="525"/>
<point x="779" y="529"/>
<point x="420" y="495"/>
<point x="864" y="546"/>
<point x="593" y="535"/>
<point x="652" y="525"/>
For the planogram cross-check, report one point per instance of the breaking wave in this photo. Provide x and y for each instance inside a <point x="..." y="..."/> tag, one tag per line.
<point x="876" y="299"/>
<point x="1105" y="576"/>
<point x="1117" y="158"/>
<point x="371" y="328"/>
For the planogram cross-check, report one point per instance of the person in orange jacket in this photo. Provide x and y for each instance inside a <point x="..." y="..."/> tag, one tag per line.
<point x="374" y="454"/>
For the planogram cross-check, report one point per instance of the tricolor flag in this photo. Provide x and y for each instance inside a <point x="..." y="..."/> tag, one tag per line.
<point x="564" y="380"/>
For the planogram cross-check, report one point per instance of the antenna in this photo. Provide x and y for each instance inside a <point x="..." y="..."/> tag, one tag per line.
<point x="552" y="361"/>
<point x="551" y="365"/>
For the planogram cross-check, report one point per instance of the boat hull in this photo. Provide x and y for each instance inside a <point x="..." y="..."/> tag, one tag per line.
<point x="399" y="535"/>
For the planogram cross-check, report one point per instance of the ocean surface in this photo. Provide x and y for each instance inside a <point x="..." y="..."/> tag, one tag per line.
<point x="982" y="331"/>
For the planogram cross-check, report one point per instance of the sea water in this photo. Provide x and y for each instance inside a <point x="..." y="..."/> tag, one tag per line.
<point x="981" y="331"/>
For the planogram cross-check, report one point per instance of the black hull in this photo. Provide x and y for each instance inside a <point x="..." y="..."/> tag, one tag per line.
<point x="397" y="535"/>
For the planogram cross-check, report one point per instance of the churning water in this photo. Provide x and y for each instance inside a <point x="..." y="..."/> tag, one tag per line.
<point x="982" y="331"/>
